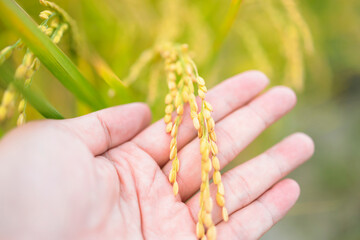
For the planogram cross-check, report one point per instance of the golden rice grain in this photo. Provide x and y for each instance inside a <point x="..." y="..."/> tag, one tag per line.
<point x="225" y="215"/>
<point x="200" y="81"/>
<point x="208" y="205"/>
<point x="207" y="220"/>
<point x="220" y="199"/>
<point x="200" y="231"/>
<point x="196" y="123"/>
<point x="217" y="177"/>
<point x="208" y="106"/>
<point x="167" y="118"/>
<point x="201" y="94"/>
<point x="211" y="233"/>
<point x="211" y="124"/>
<point x="203" y="175"/>
<point x="175" y="188"/>
<point x="168" y="99"/>
<point x="214" y="148"/>
<point x="172" y="176"/>
<point x="220" y="188"/>
<point x="169" y="127"/>
<point x="169" y="109"/>
<point x="173" y="143"/>
<point x="174" y="130"/>
<point x="216" y="163"/>
<point x="173" y="152"/>
<point x="180" y="109"/>
<point x="207" y="114"/>
<point x="213" y="136"/>
<point x="176" y="164"/>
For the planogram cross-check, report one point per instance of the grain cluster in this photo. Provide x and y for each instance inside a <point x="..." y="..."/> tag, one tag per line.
<point x="183" y="82"/>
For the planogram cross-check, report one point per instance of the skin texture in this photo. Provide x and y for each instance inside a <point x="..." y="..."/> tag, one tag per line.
<point x="104" y="175"/>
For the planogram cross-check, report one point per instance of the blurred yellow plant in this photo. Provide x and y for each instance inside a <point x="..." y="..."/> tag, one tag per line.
<point x="294" y="38"/>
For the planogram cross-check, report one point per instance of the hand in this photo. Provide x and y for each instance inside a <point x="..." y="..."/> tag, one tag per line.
<point x="104" y="175"/>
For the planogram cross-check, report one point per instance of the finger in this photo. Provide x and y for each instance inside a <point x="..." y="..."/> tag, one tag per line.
<point x="110" y="127"/>
<point x="254" y="220"/>
<point x="234" y="133"/>
<point x="225" y="98"/>
<point x="248" y="181"/>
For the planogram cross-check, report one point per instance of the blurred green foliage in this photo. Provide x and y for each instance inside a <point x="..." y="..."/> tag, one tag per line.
<point x="263" y="36"/>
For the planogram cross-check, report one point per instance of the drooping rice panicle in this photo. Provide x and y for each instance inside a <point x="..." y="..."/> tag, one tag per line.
<point x="182" y="75"/>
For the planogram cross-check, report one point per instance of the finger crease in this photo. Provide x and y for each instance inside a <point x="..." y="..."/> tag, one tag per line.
<point x="257" y="114"/>
<point x="106" y="130"/>
<point x="279" y="169"/>
<point x="267" y="210"/>
<point x="246" y="187"/>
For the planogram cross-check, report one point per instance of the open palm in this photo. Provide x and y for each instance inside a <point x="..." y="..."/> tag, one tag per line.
<point x="104" y="175"/>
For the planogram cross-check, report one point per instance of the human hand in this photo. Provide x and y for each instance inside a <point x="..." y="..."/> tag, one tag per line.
<point x="104" y="175"/>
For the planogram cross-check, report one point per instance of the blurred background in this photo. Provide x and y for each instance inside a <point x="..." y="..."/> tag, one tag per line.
<point x="311" y="46"/>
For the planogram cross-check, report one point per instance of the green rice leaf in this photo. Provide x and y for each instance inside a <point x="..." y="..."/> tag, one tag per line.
<point x="49" y="54"/>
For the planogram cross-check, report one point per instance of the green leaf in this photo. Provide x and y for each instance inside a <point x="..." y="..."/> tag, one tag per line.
<point x="34" y="98"/>
<point x="49" y="54"/>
